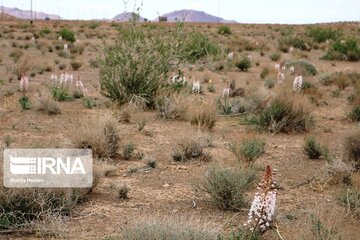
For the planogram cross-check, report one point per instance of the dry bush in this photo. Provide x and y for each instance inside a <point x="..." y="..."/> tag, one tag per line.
<point x="285" y="113"/>
<point x="203" y="116"/>
<point x="191" y="148"/>
<point x="46" y="104"/>
<point x="340" y="172"/>
<point x="98" y="133"/>
<point x="352" y="149"/>
<point x="171" y="107"/>
<point x="168" y="228"/>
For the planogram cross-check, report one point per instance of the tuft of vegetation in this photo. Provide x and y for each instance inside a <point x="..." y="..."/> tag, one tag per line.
<point x="98" y="133"/>
<point x="88" y="103"/>
<point x="61" y="93"/>
<point x="75" y="65"/>
<point x="190" y="149"/>
<point x="354" y="115"/>
<point x="16" y="55"/>
<point x="306" y="66"/>
<point x="275" y="56"/>
<point x="67" y="35"/>
<point x="171" y="107"/>
<point x="227" y="187"/>
<point x="350" y="199"/>
<point x="248" y="150"/>
<point x="224" y="30"/>
<point x="204" y="117"/>
<point x="244" y="64"/>
<point x="281" y="115"/>
<point x="352" y="150"/>
<point x="128" y="151"/>
<point x="320" y="34"/>
<point x="264" y="73"/>
<point x="269" y="83"/>
<point x="167" y="229"/>
<point x="24" y="102"/>
<point x="312" y="148"/>
<point x="47" y="105"/>
<point x="348" y="50"/>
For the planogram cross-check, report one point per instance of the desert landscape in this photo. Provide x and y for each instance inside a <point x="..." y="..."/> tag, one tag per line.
<point x="184" y="120"/>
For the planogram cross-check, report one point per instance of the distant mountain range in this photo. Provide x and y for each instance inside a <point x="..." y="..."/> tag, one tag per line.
<point x="181" y="15"/>
<point x="194" y="16"/>
<point x="26" y="14"/>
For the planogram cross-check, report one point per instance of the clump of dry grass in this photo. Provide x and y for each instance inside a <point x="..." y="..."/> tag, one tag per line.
<point x="168" y="228"/>
<point x="98" y="133"/>
<point x="191" y="148"/>
<point x="340" y="172"/>
<point x="352" y="149"/>
<point x="47" y="104"/>
<point x="171" y="107"/>
<point x="203" y="116"/>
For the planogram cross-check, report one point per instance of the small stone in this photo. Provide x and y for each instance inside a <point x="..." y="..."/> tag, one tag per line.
<point x="166" y="185"/>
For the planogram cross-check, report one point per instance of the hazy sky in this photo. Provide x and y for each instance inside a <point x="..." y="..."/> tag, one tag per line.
<point x="243" y="11"/>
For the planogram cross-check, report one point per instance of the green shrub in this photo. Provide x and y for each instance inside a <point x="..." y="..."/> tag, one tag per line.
<point x="306" y="66"/>
<point x="128" y="151"/>
<point x="248" y="150"/>
<point x="281" y="115"/>
<point x="312" y="148"/>
<point x="244" y="64"/>
<point x="60" y="94"/>
<point x="224" y="30"/>
<point x="346" y="51"/>
<point x="67" y="35"/>
<point x="137" y="65"/>
<point x="197" y="46"/>
<point x="275" y="56"/>
<point x="78" y="94"/>
<point x="44" y="31"/>
<point x="354" y="115"/>
<point x="297" y="42"/>
<point x="88" y="103"/>
<point x="322" y="34"/>
<point x="75" y="65"/>
<point x="24" y="102"/>
<point x="227" y="187"/>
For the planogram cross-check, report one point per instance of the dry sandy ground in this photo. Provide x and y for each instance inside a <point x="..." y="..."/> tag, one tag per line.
<point x="167" y="190"/>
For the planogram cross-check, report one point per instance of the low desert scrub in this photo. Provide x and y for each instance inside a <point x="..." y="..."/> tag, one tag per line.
<point x="264" y="73"/>
<point x="349" y="198"/>
<point x="345" y="51"/>
<point x="203" y="116"/>
<point x="354" y="114"/>
<point x="275" y="57"/>
<point x="75" y="65"/>
<point x="47" y="105"/>
<point x="227" y="106"/>
<point x="352" y="149"/>
<point x="224" y="30"/>
<point x="282" y="114"/>
<point x="171" y="107"/>
<point x="67" y="35"/>
<point x="340" y="79"/>
<point x="128" y="151"/>
<point x="16" y="55"/>
<point x="190" y="148"/>
<point x="306" y="66"/>
<point x="244" y="64"/>
<point x="168" y="229"/>
<point x="21" y="208"/>
<point x="98" y="133"/>
<point x="269" y="83"/>
<point x="313" y="149"/>
<point x="24" y="102"/>
<point x="61" y="93"/>
<point x="340" y="172"/>
<point x="227" y="187"/>
<point x="248" y="150"/>
<point x="88" y="103"/>
<point x="320" y="34"/>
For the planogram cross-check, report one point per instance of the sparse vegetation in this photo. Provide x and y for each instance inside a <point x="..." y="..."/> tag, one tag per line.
<point x="24" y="102"/>
<point x="352" y="149"/>
<point x="227" y="187"/>
<point x="248" y="150"/>
<point x="244" y="64"/>
<point x="313" y="149"/>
